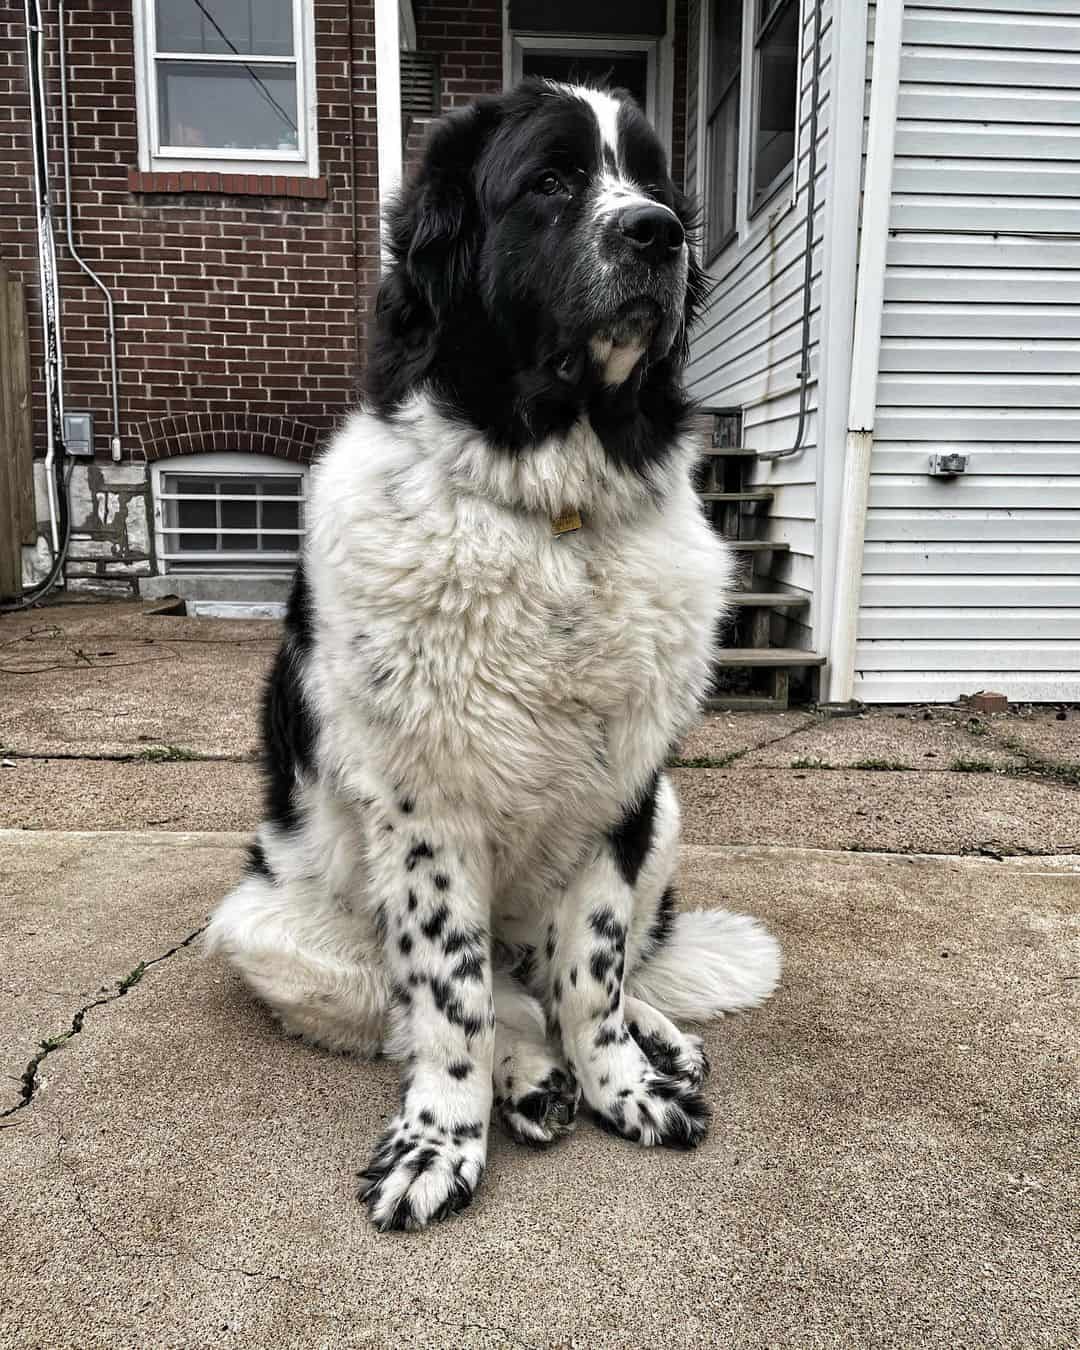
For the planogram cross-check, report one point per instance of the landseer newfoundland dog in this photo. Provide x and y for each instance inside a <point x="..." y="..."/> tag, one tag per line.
<point x="501" y="626"/>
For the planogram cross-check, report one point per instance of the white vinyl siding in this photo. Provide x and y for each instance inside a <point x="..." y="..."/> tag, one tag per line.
<point x="747" y="348"/>
<point x="974" y="582"/>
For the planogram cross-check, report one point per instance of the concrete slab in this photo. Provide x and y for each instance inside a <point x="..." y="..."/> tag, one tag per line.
<point x="1042" y="734"/>
<point x="886" y="737"/>
<point x="891" y="1162"/>
<point x="895" y="812"/>
<point x="109" y="679"/>
<point x="720" y="735"/>
<point x="80" y="911"/>
<point x="96" y="794"/>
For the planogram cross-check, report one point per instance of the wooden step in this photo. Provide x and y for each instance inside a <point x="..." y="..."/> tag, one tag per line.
<point x="758" y="546"/>
<point x="767" y="656"/>
<point x="766" y="600"/>
<point x="754" y="495"/>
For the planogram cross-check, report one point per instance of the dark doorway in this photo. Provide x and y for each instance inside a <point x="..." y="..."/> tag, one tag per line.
<point x="623" y="70"/>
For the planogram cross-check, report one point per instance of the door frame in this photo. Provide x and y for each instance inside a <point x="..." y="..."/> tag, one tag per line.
<point x="660" y="71"/>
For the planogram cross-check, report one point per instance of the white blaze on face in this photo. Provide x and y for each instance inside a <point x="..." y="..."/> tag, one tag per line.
<point x="614" y="192"/>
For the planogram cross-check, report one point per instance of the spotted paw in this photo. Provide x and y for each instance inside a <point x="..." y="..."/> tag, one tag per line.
<point x="658" y="1111"/>
<point x="538" y="1114"/>
<point x="678" y="1056"/>
<point x="421" y="1173"/>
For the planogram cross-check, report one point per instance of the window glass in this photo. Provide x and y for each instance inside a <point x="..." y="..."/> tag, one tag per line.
<point x="227" y="106"/>
<point x="776" y="50"/>
<point x="218" y="27"/>
<point x="722" y="129"/>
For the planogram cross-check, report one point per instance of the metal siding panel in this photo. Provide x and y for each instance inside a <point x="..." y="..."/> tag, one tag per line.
<point x="972" y="655"/>
<point x="1003" y="493"/>
<point x="971" y="592"/>
<point x="931" y="686"/>
<point x="936" y="558"/>
<point x="950" y="523"/>
<point x="1002" y="321"/>
<point x="971" y="424"/>
<point x="951" y="624"/>
<point x="978" y="356"/>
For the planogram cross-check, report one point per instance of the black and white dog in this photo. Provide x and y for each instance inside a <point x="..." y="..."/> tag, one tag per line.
<point x="501" y="626"/>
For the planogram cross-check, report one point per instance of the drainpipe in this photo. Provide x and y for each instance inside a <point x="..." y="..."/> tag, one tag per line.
<point x="387" y="106"/>
<point x="869" y="301"/>
<point x="109" y="315"/>
<point x="46" y="242"/>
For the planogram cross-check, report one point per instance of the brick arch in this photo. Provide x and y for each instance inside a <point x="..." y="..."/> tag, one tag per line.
<point x="255" y="433"/>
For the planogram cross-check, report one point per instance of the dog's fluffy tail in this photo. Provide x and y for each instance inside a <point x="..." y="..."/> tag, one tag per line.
<point x="714" y="962"/>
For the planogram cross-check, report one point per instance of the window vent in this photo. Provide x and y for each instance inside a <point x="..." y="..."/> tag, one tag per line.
<point x="419" y="84"/>
<point x="229" y="521"/>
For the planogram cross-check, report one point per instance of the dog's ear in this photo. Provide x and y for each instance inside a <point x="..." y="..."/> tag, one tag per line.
<point x="699" y="284"/>
<point x="435" y="228"/>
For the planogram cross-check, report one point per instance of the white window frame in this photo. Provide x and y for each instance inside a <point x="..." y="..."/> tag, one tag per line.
<point x="221" y="464"/>
<point x="752" y="221"/>
<point x="156" y="158"/>
<point x="659" y="75"/>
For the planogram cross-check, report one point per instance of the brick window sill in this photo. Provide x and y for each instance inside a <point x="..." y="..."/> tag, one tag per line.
<point x="228" y="184"/>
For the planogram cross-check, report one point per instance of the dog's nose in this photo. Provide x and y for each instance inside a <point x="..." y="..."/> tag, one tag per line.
<point x="653" y="231"/>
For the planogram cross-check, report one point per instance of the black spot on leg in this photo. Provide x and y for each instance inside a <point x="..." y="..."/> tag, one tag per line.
<point x="631" y="839"/>
<point x="413" y="902"/>
<point x="442" y="881"/>
<point x="599" y="965"/>
<point x="436" y="923"/>
<point x="604" y="924"/>
<point x="418" y="851"/>
<point x="472" y="1026"/>
<point x="401" y="996"/>
<point x="460" y="1069"/>
<point x="573" y="977"/>
<point x="470" y="967"/>
<point x="405" y="944"/>
<point x="426" y="1118"/>
<point x="406" y="806"/>
<point x="659" y="933"/>
<point x="556" y="989"/>
<point x="549" y="946"/>
<point x="605" y="1036"/>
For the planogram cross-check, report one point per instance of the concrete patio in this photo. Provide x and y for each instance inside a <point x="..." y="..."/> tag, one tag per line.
<point x="893" y="1154"/>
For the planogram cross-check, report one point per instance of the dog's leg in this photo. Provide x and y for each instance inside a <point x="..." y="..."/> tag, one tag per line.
<point x="536" y="1096"/>
<point x="432" y="899"/>
<point x="586" y="952"/>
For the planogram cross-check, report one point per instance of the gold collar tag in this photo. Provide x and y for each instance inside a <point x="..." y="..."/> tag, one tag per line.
<point x="569" y="520"/>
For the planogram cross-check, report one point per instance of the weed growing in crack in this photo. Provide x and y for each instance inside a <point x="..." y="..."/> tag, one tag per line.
<point x="811" y="764"/>
<point x="962" y="765"/>
<point x="167" y="754"/>
<point x="882" y="766"/>
<point x="706" y="761"/>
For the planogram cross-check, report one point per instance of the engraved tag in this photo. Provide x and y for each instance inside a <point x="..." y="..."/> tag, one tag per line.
<point x="569" y="520"/>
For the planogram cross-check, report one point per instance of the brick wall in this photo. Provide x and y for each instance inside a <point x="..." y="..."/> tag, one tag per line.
<point x="467" y="36"/>
<point x="238" y="296"/>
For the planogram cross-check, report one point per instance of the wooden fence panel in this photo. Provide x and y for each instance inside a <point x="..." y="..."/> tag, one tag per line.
<point x="19" y="352"/>
<point x="17" y="514"/>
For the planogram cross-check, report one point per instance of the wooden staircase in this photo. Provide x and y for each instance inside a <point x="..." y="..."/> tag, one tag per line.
<point x="741" y="513"/>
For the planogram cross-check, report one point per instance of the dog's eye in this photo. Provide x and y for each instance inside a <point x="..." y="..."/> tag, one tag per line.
<point x="549" y="183"/>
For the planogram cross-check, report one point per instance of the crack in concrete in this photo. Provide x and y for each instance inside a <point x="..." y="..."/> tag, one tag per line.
<point x="165" y="1254"/>
<point x="166" y="754"/>
<point x="29" y="1078"/>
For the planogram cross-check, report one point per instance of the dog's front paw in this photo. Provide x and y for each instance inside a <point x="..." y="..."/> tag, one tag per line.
<point x="657" y="1111"/>
<point x="537" y="1114"/>
<point x="680" y="1055"/>
<point x="632" y="1098"/>
<point x="421" y="1172"/>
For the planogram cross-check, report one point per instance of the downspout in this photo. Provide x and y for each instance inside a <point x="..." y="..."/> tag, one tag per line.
<point x="808" y="244"/>
<point x="52" y="345"/>
<point x="46" y="242"/>
<point x="387" y="107"/>
<point x="109" y="315"/>
<point x="866" y="344"/>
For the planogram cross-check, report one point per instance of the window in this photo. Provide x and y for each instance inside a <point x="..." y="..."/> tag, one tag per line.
<point x="226" y="85"/>
<point x="776" y="51"/>
<point x="722" y="125"/>
<point x="228" y="513"/>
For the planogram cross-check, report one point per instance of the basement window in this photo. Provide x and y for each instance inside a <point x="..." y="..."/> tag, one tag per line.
<point x="226" y="85"/>
<point x="231" y="513"/>
<point x="776" y="53"/>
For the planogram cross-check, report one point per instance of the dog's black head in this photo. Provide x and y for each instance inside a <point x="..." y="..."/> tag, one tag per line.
<point x="542" y="271"/>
